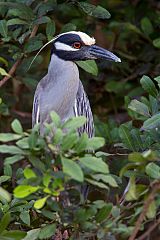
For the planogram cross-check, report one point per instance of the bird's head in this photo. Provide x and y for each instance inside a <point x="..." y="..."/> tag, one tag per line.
<point x="75" y="46"/>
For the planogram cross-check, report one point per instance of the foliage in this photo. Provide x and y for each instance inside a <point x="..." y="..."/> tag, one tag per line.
<point x="44" y="180"/>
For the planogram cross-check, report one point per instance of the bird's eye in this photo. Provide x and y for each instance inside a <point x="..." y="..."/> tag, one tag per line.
<point x="77" y="45"/>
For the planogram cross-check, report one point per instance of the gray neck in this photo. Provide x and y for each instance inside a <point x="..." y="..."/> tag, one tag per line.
<point x="59" y="68"/>
<point x="60" y="87"/>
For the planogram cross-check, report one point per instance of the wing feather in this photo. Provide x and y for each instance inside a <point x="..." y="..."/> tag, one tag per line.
<point x="82" y="107"/>
<point x="36" y="108"/>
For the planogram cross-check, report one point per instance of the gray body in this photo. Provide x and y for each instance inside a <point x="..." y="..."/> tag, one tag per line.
<point x="61" y="91"/>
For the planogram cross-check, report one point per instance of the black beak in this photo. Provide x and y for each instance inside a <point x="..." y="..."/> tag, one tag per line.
<point x="101" y="53"/>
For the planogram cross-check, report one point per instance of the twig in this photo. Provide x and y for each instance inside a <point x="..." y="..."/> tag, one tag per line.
<point x="155" y="188"/>
<point x="11" y="72"/>
<point x="150" y="229"/>
<point x="22" y="114"/>
<point x="18" y="62"/>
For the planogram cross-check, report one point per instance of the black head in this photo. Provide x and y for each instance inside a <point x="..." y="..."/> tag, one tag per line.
<point x="75" y="46"/>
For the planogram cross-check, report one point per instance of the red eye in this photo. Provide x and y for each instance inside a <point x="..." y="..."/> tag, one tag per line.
<point x="77" y="45"/>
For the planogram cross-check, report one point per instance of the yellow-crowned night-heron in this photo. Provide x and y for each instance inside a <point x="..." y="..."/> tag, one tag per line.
<point x="61" y="89"/>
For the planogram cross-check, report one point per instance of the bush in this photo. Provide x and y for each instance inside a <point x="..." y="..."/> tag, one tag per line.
<point x="52" y="181"/>
<point x="45" y="180"/>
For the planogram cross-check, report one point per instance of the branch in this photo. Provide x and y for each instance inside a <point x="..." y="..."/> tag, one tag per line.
<point x="155" y="188"/>
<point x="18" y="62"/>
<point x="150" y="229"/>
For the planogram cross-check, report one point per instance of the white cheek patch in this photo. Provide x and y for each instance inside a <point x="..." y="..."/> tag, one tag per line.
<point x="64" y="47"/>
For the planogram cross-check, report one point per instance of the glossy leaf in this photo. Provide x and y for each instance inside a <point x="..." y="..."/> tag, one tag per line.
<point x="50" y="30"/>
<point x="153" y="170"/>
<point x="106" y="179"/>
<point x="40" y="203"/>
<point x="24" y="190"/>
<point x="13" y="159"/>
<point x="29" y="173"/>
<point x="7" y="137"/>
<point x="95" y="164"/>
<point x="47" y="231"/>
<point x="10" y="149"/>
<point x="75" y="123"/>
<point x="5" y="220"/>
<point x="152" y="122"/>
<point x="139" y="108"/>
<point x="72" y="169"/>
<point x="146" y="26"/>
<point x="95" y="11"/>
<point x="89" y="66"/>
<point x="3" y="28"/>
<point x="149" y="86"/>
<point x="17" y="127"/>
<point x="104" y="212"/>
<point x="25" y="217"/>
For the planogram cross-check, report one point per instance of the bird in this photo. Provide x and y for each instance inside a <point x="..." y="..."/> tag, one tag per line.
<point x="61" y="89"/>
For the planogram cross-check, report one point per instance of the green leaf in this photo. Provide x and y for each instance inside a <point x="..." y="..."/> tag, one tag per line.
<point x="25" y="217"/>
<point x="151" y="212"/>
<point x="32" y="234"/>
<point x="41" y="20"/>
<point x="47" y="231"/>
<point x="3" y="72"/>
<point x="146" y="26"/>
<point x="136" y="157"/>
<point x="20" y="10"/>
<point x="40" y="203"/>
<point x="152" y="122"/>
<point x="95" y="164"/>
<point x="74" y="123"/>
<point x="131" y="194"/>
<point x="7" y="137"/>
<point x="58" y="136"/>
<point x="97" y="184"/>
<point x="46" y="180"/>
<point x="81" y="145"/>
<point x="13" y="159"/>
<point x="149" y="86"/>
<point x="45" y="7"/>
<point x="139" y="108"/>
<point x="153" y="170"/>
<point x="16" y="21"/>
<point x="68" y="27"/>
<point x="69" y="141"/>
<point x="55" y="118"/>
<point x="17" y="127"/>
<point x="89" y="66"/>
<point x="125" y="136"/>
<point x="50" y="30"/>
<point x="4" y="178"/>
<point x="72" y="169"/>
<point x="14" y="234"/>
<point x="95" y="11"/>
<point x="5" y="220"/>
<point x="95" y="143"/>
<point x="107" y="179"/>
<point x="10" y="149"/>
<point x="23" y="143"/>
<point x="29" y="173"/>
<point x="104" y="212"/>
<point x="8" y="170"/>
<point x="156" y="42"/>
<point x="3" y="28"/>
<point x="5" y="195"/>
<point x="33" y="44"/>
<point x="24" y="190"/>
